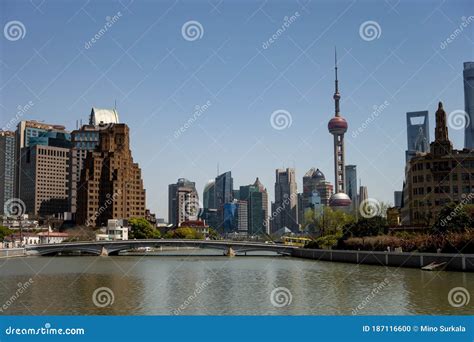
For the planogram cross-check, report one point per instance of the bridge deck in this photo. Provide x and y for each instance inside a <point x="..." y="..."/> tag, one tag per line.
<point x="114" y="247"/>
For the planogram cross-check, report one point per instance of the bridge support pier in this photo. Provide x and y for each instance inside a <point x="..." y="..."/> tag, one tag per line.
<point x="104" y="251"/>
<point x="230" y="252"/>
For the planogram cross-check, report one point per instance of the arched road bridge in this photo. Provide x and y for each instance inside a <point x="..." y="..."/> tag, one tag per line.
<point x="105" y="248"/>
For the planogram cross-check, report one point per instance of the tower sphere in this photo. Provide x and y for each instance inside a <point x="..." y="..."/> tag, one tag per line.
<point x="340" y="199"/>
<point x="337" y="125"/>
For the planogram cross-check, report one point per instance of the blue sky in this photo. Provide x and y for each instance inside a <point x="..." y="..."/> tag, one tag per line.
<point x="158" y="77"/>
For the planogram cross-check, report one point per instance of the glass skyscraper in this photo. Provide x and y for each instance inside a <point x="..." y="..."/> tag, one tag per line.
<point x="468" y="74"/>
<point x="418" y="133"/>
<point x="223" y="194"/>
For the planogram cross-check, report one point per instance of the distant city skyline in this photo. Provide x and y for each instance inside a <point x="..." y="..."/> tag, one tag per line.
<point x="239" y="77"/>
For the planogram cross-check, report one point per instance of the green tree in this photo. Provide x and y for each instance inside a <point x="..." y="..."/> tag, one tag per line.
<point x="184" y="233"/>
<point x="213" y="235"/>
<point x="142" y="229"/>
<point x="366" y="227"/>
<point x="4" y="231"/>
<point x="308" y="220"/>
<point x="453" y="218"/>
<point x="330" y="221"/>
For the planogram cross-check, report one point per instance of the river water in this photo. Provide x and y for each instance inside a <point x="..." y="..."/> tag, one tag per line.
<point x="208" y="284"/>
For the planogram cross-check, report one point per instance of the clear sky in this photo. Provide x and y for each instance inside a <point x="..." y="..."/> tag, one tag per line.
<point x="158" y="73"/>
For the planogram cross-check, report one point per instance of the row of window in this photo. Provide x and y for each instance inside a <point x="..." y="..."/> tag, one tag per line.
<point x="465" y="177"/>
<point x="466" y="189"/>
<point x="444" y="165"/>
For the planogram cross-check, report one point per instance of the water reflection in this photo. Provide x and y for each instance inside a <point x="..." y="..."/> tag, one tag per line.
<point x="217" y="285"/>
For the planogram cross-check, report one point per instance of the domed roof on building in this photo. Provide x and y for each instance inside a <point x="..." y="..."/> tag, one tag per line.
<point x="103" y="116"/>
<point x="315" y="173"/>
<point x="340" y="200"/>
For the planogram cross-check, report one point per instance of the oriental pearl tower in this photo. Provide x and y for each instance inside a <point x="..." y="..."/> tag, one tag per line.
<point x="337" y="126"/>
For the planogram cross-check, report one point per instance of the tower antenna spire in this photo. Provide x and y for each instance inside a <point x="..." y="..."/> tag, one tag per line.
<point x="337" y="96"/>
<point x="335" y="67"/>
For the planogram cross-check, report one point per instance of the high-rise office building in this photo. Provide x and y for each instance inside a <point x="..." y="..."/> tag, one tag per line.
<point x="223" y="194"/>
<point x="243" y="218"/>
<point x="468" y="75"/>
<point x="209" y="195"/>
<point x="44" y="186"/>
<point x="363" y="195"/>
<point x="418" y="134"/>
<point x="235" y="217"/>
<point x="256" y="215"/>
<point x="209" y="211"/>
<point x="86" y="139"/>
<point x="42" y="172"/>
<point x="7" y="168"/>
<point x="264" y="193"/>
<point x="397" y="198"/>
<point x="351" y="187"/>
<point x="285" y="207"/>
<point x="33" y="133"/>
<point x="183" y="202"/>
<point x="111" y="183"/>
<point x="337" y="126"/>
